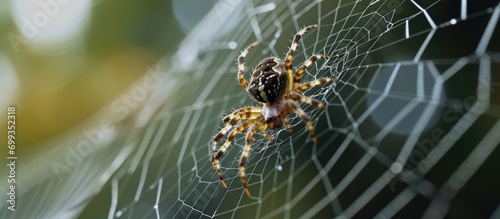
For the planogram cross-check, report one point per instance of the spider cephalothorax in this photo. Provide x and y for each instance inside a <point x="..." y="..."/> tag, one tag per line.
<point x="273" y="84"/>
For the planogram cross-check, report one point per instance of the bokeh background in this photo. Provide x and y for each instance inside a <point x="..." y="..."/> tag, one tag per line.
<point x="117" y="102"/>
<point x="63" y="61"/>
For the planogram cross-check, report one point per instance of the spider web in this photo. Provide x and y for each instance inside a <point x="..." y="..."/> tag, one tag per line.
<point x="410" y="128"/>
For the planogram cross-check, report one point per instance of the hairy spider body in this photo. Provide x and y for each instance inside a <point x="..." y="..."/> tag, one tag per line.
<point x="273" y="112"/>
<point x="267" y="83"/>
<point x="273" y="84"/>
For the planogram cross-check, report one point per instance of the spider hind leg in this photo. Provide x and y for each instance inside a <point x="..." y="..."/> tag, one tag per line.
<point x="316" y="82"/>
<point x="298" y="74"/>
<point x="291" y="51"/>
<point x="241" y="65"/>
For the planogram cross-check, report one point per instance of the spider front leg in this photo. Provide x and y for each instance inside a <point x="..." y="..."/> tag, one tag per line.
<point x="264" y="133"/>
<point x="287" y="125"/>
<point x="217" y="155"/>
<point x="294" y="107"/>
<point x="298" y="74"/>
<point x="233" y="118"/>
<point x="289" y="55"/>
<point x="241" y="114"/>
<point x="241" y="65"/>
<point x="246" y="154"/>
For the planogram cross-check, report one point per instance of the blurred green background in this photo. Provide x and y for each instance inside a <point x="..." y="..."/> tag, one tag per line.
<point x="69" y="60"/>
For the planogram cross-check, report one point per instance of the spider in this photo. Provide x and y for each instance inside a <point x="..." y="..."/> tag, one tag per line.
<point x="278" y="89"/>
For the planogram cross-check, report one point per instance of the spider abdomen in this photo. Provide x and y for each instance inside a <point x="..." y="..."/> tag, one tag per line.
<point x="268" y="80"/>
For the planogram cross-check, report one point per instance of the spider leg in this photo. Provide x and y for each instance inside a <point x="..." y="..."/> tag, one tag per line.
<point x="246" y="153"/>
<point x="296" y="108"/>
<point x="287" y="125"/>
<point x="291" y="51"/>
<point x="314" y="83"/>
<point x="216" y="156"/>
<point x="241" y="65"/>
<point x="311" y="101"/>
<point x="298" y="74"/>
<point x="264" y="133"/>
<point x="219" y="135"/>
<point x="241" y="114"/>
<point x="232" y="119"/>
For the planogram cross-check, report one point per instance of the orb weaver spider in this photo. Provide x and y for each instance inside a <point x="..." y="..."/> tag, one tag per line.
<point x="278" y="89"/>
